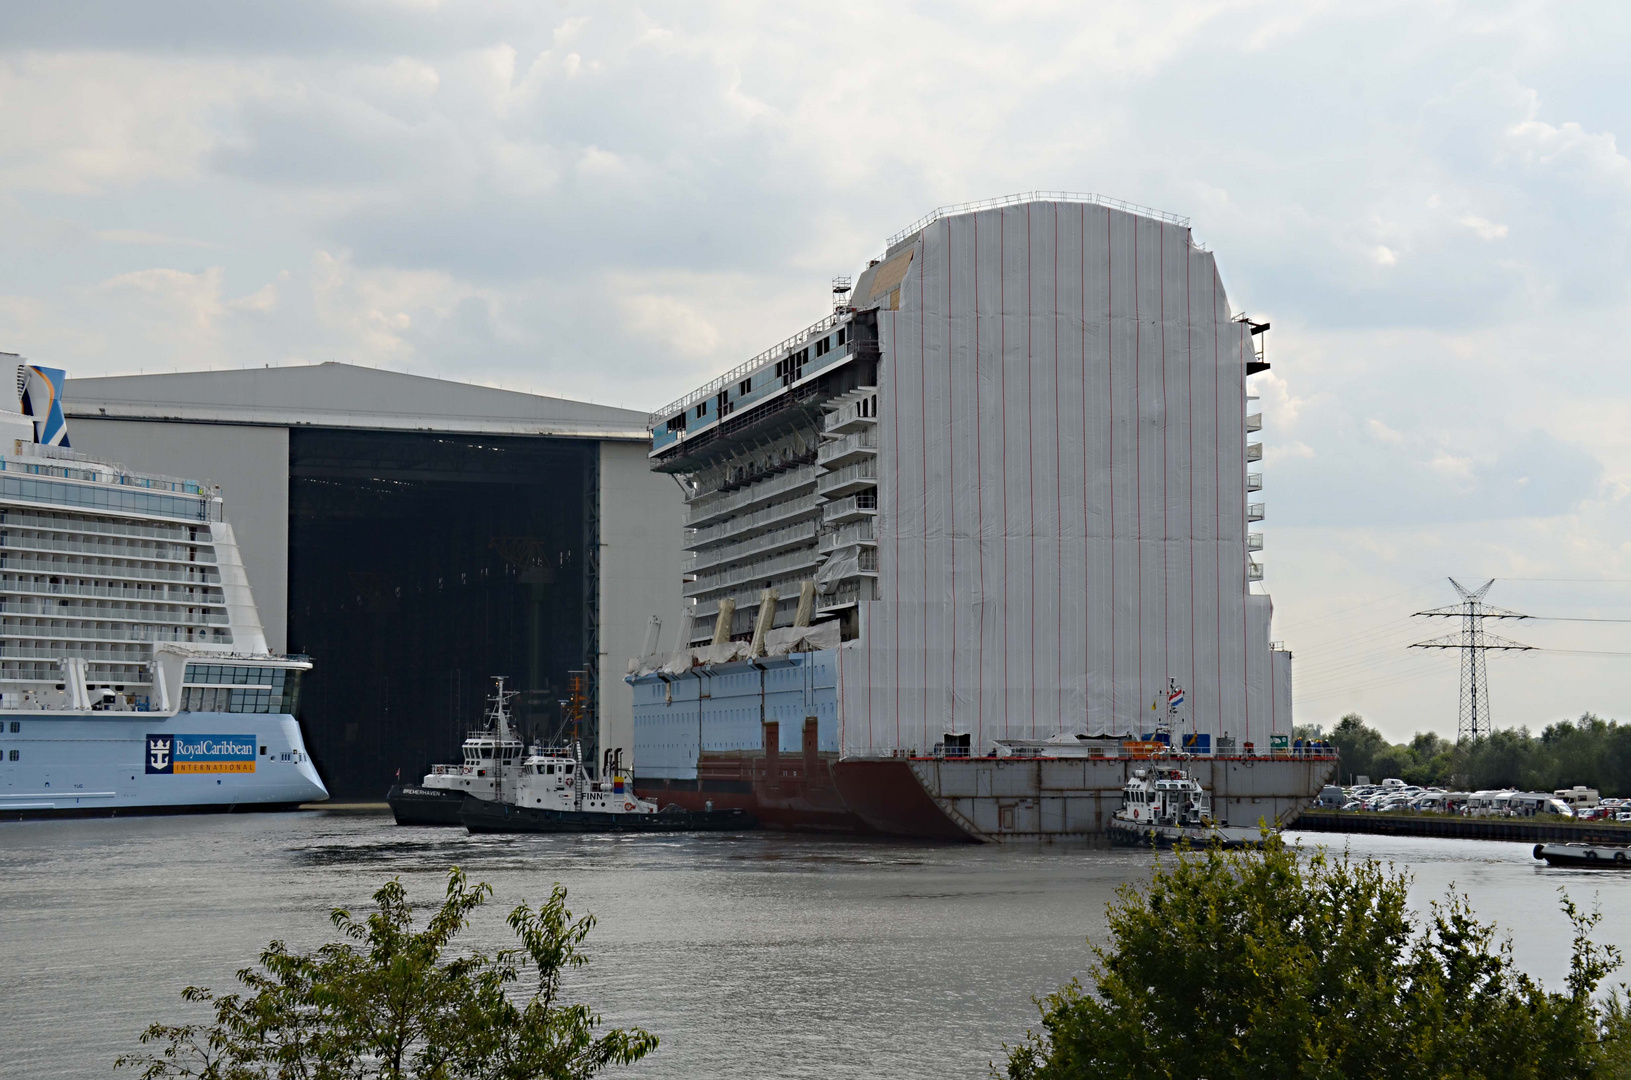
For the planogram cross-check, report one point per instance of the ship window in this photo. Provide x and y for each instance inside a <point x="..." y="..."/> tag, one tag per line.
<point x="568" y="767"/>
<point x="16" y="726"/>
<point x="842" y="332"/>
<point x="263" y="751"/>
<point x="14" y="755"/>
<point x="547" y="770"/>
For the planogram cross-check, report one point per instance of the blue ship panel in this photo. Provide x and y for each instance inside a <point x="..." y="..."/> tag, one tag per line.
<point x="723" y="711"/>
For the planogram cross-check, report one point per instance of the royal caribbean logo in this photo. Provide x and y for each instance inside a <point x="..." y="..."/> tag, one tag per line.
<point x="171" y="754"/>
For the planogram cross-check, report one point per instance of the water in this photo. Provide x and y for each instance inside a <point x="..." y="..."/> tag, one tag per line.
<point x="754" y="956"/>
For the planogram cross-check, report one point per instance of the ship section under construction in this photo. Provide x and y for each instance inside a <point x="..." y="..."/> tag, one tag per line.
<point x="964" y="551"/>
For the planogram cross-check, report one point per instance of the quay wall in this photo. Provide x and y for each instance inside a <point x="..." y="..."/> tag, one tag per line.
<point x="1463" y="828"/>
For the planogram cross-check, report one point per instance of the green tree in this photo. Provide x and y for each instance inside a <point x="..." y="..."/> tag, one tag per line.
<point x="393" y="1002"/>
<point x="1264" y="965"/>
<point x="1358" y="744"/>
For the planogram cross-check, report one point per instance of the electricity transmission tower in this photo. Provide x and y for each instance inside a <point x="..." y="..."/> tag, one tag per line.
<point x="1473" y="643"/>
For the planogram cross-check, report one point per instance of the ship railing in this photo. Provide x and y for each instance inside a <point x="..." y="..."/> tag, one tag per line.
<point x="48" y="522"/>
<point x="11" y="606"/>
<point x="712" y="504"/>
<point x="735" y="374"/>
<point x="59" y="566"/>
<point x="159" y="595"/>
<point x="153" y="552"/>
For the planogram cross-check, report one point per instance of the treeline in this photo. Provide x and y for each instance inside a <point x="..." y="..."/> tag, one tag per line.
<point x="1590" y="751"/>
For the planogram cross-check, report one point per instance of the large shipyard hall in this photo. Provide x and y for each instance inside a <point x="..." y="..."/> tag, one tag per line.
<point x="415" y="538"/>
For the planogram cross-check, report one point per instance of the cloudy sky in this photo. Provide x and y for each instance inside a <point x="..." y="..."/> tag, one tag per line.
<point x="616" y="202"/>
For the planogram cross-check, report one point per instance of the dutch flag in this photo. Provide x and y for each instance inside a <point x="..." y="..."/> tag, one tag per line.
<point x="1175" y="698"/>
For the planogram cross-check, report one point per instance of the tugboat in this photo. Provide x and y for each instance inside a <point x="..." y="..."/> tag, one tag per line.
<point x="1163" y="805"/>
<point x="492" y="759"/>
<point x="1586" y="856"/>
<point x="553" y="794"/>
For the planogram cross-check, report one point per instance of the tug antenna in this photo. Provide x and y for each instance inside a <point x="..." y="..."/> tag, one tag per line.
<point x="1474" y="643"/>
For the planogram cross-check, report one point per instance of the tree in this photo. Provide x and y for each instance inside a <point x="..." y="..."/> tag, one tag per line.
<point x="392" y="1002"/>
<point x="1262" y="964"/>
<point x="1358" y="745"/>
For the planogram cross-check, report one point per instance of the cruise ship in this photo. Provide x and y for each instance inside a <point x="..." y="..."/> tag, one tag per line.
<point x="978" y="542"/>
<point x="134" y="671"/>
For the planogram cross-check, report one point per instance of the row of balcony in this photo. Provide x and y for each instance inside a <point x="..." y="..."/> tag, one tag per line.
<point x="853" y="415"/>
<point x="850" y="508"/>
<point x="762" y="520"/>
<point x="847" y="448"/>
<point x="799" y="561"/>
<point x="714" y="506"/>
<point x="107" y="613"/>
<point x="763" y="544"/>
<point x="849" y="479"/>
<point x="158" y="594"/>
<point x="57" y="523"/>
<point x="852" y="591"/>
<point x="137" y="549"/>
<point x="61" y="567"/>
<point x="138" y="632"/>
<point x="857" y="532"/>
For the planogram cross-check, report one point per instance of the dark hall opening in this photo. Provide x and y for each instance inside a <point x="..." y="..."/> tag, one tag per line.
<point x="421" y="565"/>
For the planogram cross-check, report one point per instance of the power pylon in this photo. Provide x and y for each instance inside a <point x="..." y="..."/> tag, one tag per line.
<point x="1474" y="644"/>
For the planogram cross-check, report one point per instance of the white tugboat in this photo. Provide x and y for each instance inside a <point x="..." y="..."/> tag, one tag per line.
<point x="1163" y="805"/>
<point x="553" y="794"/>
<point x="492" y="764"/>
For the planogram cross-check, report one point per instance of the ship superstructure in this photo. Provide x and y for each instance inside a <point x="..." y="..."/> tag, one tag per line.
<point x="134" y="671"/>
<point x="1002" y="495"/>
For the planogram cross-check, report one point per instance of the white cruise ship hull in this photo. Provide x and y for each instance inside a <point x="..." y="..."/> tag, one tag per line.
<point x="108" y="763"/>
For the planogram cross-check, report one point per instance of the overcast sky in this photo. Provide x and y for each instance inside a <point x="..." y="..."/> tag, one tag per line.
<point x="618" y="202"/>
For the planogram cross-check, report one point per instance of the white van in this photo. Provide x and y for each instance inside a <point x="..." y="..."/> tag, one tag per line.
<point x="1577" y="797"/>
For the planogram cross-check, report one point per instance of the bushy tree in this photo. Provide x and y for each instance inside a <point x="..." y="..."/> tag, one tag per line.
<point x="1358" y="744"/>
<point x="1264" y="965"/>
<point x="392" y="1001"/>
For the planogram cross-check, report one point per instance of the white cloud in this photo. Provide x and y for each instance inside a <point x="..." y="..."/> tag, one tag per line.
<point x="1429" y="200"/>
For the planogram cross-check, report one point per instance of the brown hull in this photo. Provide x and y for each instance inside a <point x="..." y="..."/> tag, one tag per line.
<point x="1004" y="800"/>
<point x="888" y="797"/>
<point x="791" y="793"/>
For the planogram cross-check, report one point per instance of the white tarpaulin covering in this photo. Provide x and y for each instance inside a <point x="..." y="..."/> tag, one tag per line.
<point x="1062" y="491"/>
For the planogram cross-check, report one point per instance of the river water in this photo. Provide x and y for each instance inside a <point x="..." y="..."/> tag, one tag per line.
<point x="760" y="955"/>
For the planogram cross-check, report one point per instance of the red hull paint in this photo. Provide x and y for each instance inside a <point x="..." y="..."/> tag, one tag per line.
<point x="887" y="796"/>
<point x="785" y="792"/>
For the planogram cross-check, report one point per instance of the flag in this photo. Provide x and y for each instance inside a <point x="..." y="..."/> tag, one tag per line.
<point x="1175" y="698"/>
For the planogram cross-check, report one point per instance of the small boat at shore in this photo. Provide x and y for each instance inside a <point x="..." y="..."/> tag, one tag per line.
<point x="1588" y="856"/>
<point x="554" y="794"/>
<point x="1163" y="805"/>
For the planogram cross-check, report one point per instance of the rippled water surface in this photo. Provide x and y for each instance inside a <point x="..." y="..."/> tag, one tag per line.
<point x="750" y="956"/>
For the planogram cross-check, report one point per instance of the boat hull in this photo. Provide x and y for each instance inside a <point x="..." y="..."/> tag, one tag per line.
<point x="98" y="764"/>
<point x="412" y="804"/>
<point x="1585" y="856"/>
<point x="1133" y="834"/>
<point x="481" y="816"/>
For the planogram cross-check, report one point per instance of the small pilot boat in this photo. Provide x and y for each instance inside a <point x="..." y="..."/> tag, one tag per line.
<point x="1163" y="805"/>
<point x="553" y="794"/>
<point x="1588" y="856"/>
<point x="492" y="761"/>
